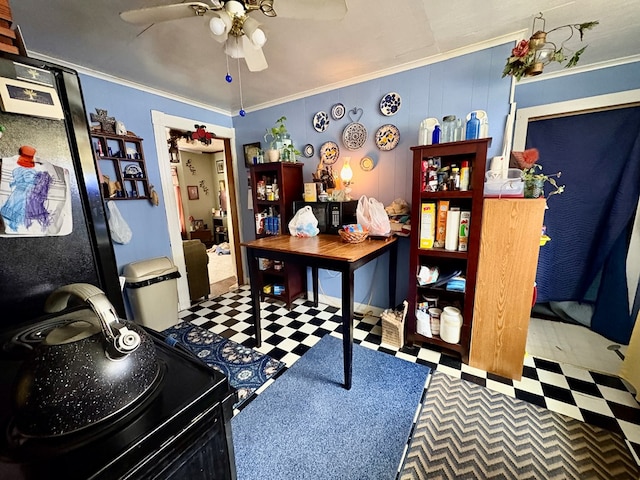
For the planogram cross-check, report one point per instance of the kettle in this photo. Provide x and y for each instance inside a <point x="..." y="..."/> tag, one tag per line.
<point x="86" y="371"/>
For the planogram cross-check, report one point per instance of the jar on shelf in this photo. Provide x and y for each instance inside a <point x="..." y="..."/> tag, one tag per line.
<point x="448" y="129"/>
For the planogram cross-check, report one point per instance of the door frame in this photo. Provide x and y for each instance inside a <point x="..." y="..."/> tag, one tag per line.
<point x="162" y="123"/>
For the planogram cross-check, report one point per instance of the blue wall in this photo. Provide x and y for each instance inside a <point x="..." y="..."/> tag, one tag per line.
<point x="133" y="107"/>
<point x="456" y="86"/>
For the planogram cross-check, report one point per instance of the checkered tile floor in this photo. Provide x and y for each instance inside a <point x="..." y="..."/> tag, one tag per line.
<point x="595" y="398"/>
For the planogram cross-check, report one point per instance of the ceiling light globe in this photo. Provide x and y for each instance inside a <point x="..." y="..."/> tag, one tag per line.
<point x="258" y="38"/>
<point x="234" y="8"/>
<point x="217" y="26"/>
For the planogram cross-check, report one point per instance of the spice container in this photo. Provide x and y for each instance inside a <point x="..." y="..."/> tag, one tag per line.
<point x="464" y="176"/>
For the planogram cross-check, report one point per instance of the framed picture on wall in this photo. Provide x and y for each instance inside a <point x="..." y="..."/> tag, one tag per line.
<point x="192" y="191"/>
<point x="250" y="150"/>
<point x="220" y="166"/>
<point x="28" y="98"/>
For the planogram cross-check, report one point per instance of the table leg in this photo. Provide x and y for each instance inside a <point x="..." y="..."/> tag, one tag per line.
<point x="393" y="264"/>
<point x="255" y="295"/>
<point x="314" y="278"/>
<point x="347" y="325"/>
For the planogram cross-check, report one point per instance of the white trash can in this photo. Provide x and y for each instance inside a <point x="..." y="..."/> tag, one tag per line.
<point x="152" y="291"/>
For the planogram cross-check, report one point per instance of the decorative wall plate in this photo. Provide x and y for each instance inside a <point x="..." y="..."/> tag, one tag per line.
<point x="390" y="104"/>
<point x="387" y="137"/>
<point x="320" y="121"/>
<point x="366" y="164"/>
<point x="308" y="150"/>
<point x="337" y="111"/>
<point x="132" y="171"/>
<point x="354" y="135"/>
<point x="329" y="153"/>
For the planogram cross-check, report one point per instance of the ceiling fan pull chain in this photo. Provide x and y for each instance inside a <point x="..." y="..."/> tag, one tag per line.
<point x="228" y="77"/>
<point x="241" y="112"/>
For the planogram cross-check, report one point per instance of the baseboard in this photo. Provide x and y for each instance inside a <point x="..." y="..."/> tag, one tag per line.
<point x="359" y="309"/>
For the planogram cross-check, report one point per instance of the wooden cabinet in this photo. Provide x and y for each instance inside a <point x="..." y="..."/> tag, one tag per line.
<point x="220" y="231"/>
<point x="121" y="164"/>
<point x="203" y="235"/>
<point x="274" y="187"/>
<point x="509" y="247"/>
<point x="474" y="153"/>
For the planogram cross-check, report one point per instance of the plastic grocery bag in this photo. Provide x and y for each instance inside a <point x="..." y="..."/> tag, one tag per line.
<point x="120" y="231"/>
<point x="372" y="216"/>
<point x="304" y="223"/>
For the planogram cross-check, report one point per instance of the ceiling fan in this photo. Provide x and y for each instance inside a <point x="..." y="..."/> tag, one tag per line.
<point x="231" y="24"/>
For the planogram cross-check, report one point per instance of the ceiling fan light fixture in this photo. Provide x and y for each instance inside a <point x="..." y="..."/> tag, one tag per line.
<point x="234" y="7"/>
<point x="253" y="31"/>
<point x="233" y="48"/>
<point x="217" y="26"/>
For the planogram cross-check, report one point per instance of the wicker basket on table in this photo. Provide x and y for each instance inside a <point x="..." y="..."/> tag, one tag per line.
<point x="353" y="237"/>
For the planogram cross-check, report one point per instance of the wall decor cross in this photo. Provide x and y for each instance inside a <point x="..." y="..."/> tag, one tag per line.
<point x="106" y="122"/>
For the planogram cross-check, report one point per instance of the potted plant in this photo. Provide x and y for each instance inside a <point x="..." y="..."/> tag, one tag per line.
<point x="534" y="181"/>
<point x="276" y="137"/>
<point x="280" y="145"/>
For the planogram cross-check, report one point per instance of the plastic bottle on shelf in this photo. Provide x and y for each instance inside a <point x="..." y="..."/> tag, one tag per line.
<point x="464" y="176"/>
<point x="423" y="134"/>
<point x="473" y="128"/>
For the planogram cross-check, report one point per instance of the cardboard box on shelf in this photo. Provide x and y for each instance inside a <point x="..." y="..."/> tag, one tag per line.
<point x="427" y="224"/>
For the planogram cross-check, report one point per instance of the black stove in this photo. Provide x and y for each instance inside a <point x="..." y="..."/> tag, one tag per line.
<point x="181" y="429"/>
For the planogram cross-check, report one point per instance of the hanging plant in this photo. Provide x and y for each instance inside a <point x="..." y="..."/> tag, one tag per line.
<point x="529" y="57"/>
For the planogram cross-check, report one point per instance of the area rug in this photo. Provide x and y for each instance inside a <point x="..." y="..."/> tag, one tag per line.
<point x="467" y="431"/>
<point x="245" y="368"/>
<point x="306" y="425"/>
<point x="221" y="287"/>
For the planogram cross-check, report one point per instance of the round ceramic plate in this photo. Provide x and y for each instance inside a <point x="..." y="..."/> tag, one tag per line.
<point x="337" y="111"/>
<point x="329" y="153"/>
<point x="390" y="104"/>
<point x="354" y="136"/>
<point x="320" y="121"/>
<point x="366" y="164"/>
<point x="308" y="150"/>
<point x="387" y="137"/>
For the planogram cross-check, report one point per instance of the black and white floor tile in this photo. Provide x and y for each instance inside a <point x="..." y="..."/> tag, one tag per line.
<point x="598" y="399"/>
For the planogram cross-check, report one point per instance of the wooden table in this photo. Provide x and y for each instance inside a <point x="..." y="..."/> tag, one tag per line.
<point x="328" y="252"/>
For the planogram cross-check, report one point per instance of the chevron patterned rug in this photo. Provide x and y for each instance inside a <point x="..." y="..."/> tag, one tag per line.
<point x="466" y="431"/>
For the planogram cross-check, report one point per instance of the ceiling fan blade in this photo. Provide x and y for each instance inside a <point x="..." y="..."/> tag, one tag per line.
<point x="311" y="9"/>
<point x="163" y="13"/>
<point x="254" y="56"/>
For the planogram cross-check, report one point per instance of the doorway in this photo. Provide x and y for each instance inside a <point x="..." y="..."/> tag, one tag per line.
<point x="571" y="342"/>
<point x="162" y="124"/>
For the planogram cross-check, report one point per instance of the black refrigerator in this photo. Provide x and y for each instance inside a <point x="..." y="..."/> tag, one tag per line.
<point x="53" y="224"/>
<point x="54" y="232"/>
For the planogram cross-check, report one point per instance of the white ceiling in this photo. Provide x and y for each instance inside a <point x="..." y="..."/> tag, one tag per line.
<point x="375" y="38"/>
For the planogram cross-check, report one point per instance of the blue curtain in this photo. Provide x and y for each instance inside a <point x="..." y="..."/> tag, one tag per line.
<point x="599" y="156"/>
